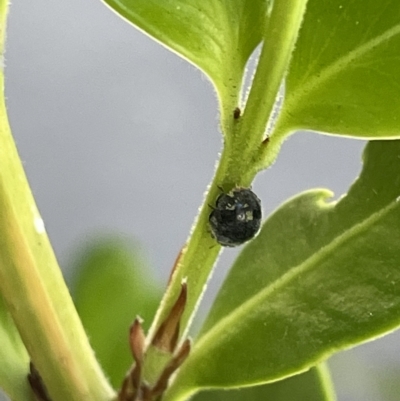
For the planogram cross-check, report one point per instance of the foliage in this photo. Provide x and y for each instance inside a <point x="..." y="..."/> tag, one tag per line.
<point x="111" y="287"/>
<point x="321" y="276"/>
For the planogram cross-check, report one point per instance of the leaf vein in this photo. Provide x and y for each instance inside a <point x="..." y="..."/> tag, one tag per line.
<point x="239" y="314"/>
<point x="340" y="64"/>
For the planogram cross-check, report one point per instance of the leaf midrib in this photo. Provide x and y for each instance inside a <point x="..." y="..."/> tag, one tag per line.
<point x="335" y="68"/>
<point x="240" y="313"/>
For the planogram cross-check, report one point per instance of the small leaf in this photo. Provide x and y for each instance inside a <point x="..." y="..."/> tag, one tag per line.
<point x="111" y="289"/>
<point x="14" y="365"/>
<point x="313" y="385"/>
<point x="216" y="36"/>
<point x="344" y="77"/>
<point x="319" y="278"/>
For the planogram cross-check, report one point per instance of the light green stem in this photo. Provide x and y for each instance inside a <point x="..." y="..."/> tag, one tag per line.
<point x="240" y="159"/>
<point x="33" y="287"/>
<point x="279" y="41"/>
<point x="196" y="260"/>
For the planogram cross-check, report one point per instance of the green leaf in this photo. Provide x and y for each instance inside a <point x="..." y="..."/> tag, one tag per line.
<point x="313" y="385"/>
<point x="14" y="366"/>
<point x="216" y="36"/>
<point x="111" y="289"/>
<point x="320" y="277"/>
<point x="344" y="78"/>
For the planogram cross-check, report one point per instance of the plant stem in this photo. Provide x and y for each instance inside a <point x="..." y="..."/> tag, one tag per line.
<point x="35" y="293"/>
<point x="280" y="37"/>
<point x="196" y="260"/>
<point x="237" y="159"/>
<point x="32" y="284"/>
<point x="240" y="159"/>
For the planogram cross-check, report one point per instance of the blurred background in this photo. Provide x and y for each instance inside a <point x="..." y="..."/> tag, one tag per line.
<point x="119" y="137"/>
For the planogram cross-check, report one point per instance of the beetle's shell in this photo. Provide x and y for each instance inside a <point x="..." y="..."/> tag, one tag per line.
<point x="236" y="217"/>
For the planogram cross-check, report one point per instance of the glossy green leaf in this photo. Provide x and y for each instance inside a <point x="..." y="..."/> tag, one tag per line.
<point x="345" y="77"/>
<point x="320" y="277"/>
<point x="111" y="289"/>
<point x="216" y="36"/>
<point x="14" y="366"/>
<point x="313" y="385"/>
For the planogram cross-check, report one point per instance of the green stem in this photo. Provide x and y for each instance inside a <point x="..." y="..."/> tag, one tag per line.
<point x="280" y="37"/>
<point x="240" y="159"/>
<point x="33" y="287"/>
<point x="196" y="260"/>
<point x="35" y="293"/>
<point x="326" y="383"/>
